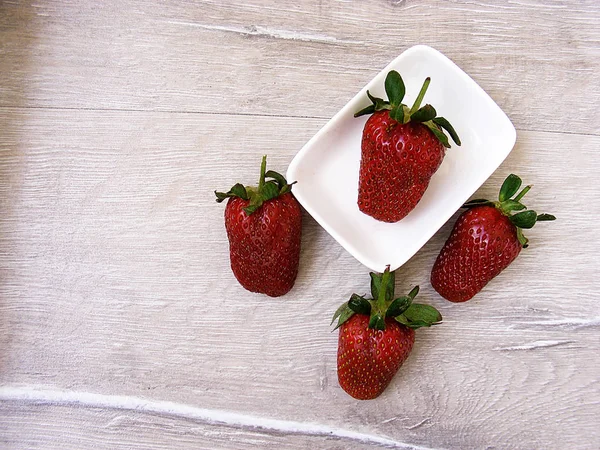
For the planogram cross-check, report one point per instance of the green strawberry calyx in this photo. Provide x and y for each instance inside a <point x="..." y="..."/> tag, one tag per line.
<point x="270" y="185"/>
<point x="508" y="202"/>
<point x="383" y="305"/>
<point x="427" y="115"/>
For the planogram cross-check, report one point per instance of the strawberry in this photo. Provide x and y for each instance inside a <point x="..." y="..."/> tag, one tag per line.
<point x="377" y="335"/>
<point x="264" y="227"/>
<point x="401" y="149"/>
<point x="484" y="241"/>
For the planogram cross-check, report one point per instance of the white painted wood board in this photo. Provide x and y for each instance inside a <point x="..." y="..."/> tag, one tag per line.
<point x="121" y="325"/>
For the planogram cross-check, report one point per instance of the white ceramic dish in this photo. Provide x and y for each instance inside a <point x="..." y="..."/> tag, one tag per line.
<point x="326" y="168"/>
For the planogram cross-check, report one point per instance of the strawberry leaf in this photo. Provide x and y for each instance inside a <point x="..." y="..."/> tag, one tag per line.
<point x="338" y="312"/>
<point x="394" y="88"/>
<point x="401" y="319"/>
<point x="251" y="208"/>
<point x="413" y="293"/>
<point x="377" y="322"/>
<point x="418" y="315"/>
<point x="397" y="113"/>
<point x="545" y="217"/>
<point x="367" y="110"/>
<point x="438" y="134"/>
<point x="343" y="313"/>
<point x="380" y="104"/>
<point x="511" y="205"/>
<point x="375" y="284"/>
<point x="422" y="312"/>
<point x="287" y="188"/>
<point x="522" y="239"/>
<point x="478" y="202"/>
<point x="442" y="122"/>
<point x="280" y="179"/>
<point x="221" y="196"/>
<point x="398" y="306"/>
<point x="424" y="114"/>
<point x="374" y="99"/>
<point x="510" y="187"/>
<point x="359" y="305"/>
<point x="238" y="190"/>
<point x="269" y="191"/>
<point x="525" y="219"/>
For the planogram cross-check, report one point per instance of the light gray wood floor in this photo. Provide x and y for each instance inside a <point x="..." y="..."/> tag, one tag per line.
<point x="121" y="324"/>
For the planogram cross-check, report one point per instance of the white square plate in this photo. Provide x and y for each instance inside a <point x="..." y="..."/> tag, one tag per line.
<point x="326" y="168"/>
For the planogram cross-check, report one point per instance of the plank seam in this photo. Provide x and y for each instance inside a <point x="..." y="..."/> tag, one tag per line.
<point x="233" y="114"/>
<point x="40" y="395"/>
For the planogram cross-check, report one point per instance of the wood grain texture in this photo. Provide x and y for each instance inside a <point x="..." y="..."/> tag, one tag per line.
<point x="535" y="58"/>
<point x="117" y="122"/>
<point x="115" y="280"/>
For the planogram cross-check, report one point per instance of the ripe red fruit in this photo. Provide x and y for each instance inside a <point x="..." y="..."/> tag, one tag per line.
<point x="484" y="241"/>
<point x="264" y="227"/>
<point x="368" y="359"/>
<point x="377" y="335"/>
<point x="401" y="150"/>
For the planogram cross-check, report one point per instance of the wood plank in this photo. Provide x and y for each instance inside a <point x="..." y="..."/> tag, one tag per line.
<point x="304" y="59"/>
<point x="58" y="427"/>
<point x="113" y="246"/>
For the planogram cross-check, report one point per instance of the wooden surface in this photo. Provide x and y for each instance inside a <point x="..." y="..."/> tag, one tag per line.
<point x="121" y="324"/>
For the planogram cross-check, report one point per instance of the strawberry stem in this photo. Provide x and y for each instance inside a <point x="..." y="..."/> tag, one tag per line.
<point x="263" y="171"/>
<point x="419" y="99"/>
<point x="380" y="304"/>
<point x="522" y="193"/>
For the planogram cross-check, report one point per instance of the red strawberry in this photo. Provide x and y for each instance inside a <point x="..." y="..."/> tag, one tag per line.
<point x="377" y="335"/>
<point x="484" y="241"/>
<point x="264" y="226"/>
<point x="401" y="149"/>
